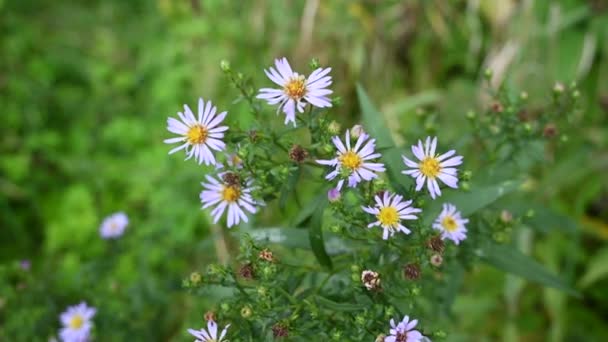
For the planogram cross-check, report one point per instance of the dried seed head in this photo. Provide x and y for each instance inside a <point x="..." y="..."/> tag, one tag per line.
<point x="370" y="279"/>
<point x="231" y="178"/>
<point x="436" y="244"/>
<point x="210" y="316"/>
<point x="497" y="107"/>
<point x="411" y="271"/>
<point x="550" y="130"/>
<point x="246" y="271"/>
<point x="298" y="154"/>
<point x="280" y="330"/>
<point x="253" y="135"/>
<point x="266" y="254"/>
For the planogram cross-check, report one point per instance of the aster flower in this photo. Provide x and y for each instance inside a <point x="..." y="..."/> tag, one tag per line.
<point x="77" y="324"/>
<point x="296" y="90"/>
<point x="451" y="224"/>
<point x="390" y="210"/>
<point x="354" y="162"/>
<point x="198" y="136"/>
<point x="404" y="331"/>
<point x="432" y="166"/>
<point x="114" y="225"/>
<point x="230" y="194"/>
<point x="210" y="334"/>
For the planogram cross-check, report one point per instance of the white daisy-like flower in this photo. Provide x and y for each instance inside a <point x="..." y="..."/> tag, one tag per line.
<point x="404" y="331"/>
<point x="209" y="334"/>
<point x="432" y="166"/>
<point x="296" y="90"/>
<point x="354" y="162"/>
<point x="77" y="324"/>
<point x="114" y="226"/>
<point x="451" y="224"/>
<point x="231" y="194"/>
<point x="198" y="135"/>
<point x="390" y="210"/>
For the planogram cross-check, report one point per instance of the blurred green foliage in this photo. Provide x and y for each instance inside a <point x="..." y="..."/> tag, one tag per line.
<point x="85" y="89"/>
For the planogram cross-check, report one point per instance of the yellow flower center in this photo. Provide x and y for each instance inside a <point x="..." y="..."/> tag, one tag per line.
<point x="449" y="223"/>
<point x="388" y="216"/>
<point x="231" y="193"/>
<point x="296" y="87"/>
<point x="430" y="167"/>
<point x="76" y="322"/>
<point x="197" y="134"/>
<point x="351" y="160"/>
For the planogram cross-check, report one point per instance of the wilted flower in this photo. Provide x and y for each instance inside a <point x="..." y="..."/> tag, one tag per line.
<point x="296" y="90"/>
<point x="404" y="331"/>
<point x="298" y="154"/>
<point x="353" y="163"/>
<point x="114" y="225"/>
<point x="411" y="271"/>
<point x="390" y="210"/>
<point x="370" y="279"/>
<point x="436" y="260"/>
<point x="280" y="330"/>
<point x="266" y="254"/>
<point x="77" y="324"/>
<point x="198" y="135"/>
<point x="451" y="224"/>
<point x="432" y="166"/>
<point x="356" y="131"/>
<point x="436" y="244"/>
<point x="229" y="196"/>
<point x="209" y="335"/>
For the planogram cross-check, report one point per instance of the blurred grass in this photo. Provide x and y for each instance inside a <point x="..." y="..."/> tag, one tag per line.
<point x="85" y="89"/>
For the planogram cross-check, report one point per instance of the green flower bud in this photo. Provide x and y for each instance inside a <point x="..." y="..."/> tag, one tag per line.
<point x="328" y="148"/>
<point x="465" y="186"/>
<point x="355" y="268"/>
<point x="467" y="175"/>
<point x="488" y="73"/>
<point x="360" y="319"/>
<point x="246" y="311"/>
<point x="471" y="115"/>
<point x="336" y="228"/>
<point x="415" y="291"/>
<point x="262" y="291"/>
<point x="333" y="127"/>
<point x="440" y="334"/>
<point x="314" y="64"/>
<point x="523" y="96"/>
<point x="225" y="65"/>
<point x="336" y="101"/>
<point x="576" y="94"/>
<point x="225" y="307"/>
<point x="195" y="278"/>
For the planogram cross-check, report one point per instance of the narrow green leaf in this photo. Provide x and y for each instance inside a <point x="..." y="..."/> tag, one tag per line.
<point x="470" y="202"/>
<point x="315" y="235"/>
<point x="289" y="186"/>
<point x="374" y="124"/>
<point x="335" y="306"/>
<point x="597" y="268"/>
<point x="511" y="260"/>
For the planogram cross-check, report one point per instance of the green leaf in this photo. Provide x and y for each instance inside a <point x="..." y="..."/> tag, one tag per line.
<point x="335" y="306"/>
<point x="315" y="235"/>
<point x="596" y="269"/>
<point x="511" y="260"/>
<point x="473" y="200"/>
<point x="374" y="124"/>
<point x="288" y="237"/>
<point x="289" y="186"/>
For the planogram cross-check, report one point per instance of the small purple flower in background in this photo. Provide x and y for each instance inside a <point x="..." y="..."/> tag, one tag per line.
<point x="198" y="135"/>
<point x="296" y="90"/>
<point x="210" y="334"/>
<point x="25" y="264"/>
<point x="451" y="224"/>
<point x="114" y="226"/>
<point x="333" y="195"/>
<point x="77" y="324"/>
<point x="354" y="163"/>
<point x="403" y="332"/>
<point x="432" y="167"/>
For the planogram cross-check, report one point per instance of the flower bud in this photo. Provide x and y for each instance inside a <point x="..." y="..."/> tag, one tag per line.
<point x="356" y="131"/>
<point x="467" y="175"/>
<point x="523" y="96"/>
<point x="465" y="186"/>
<point x="488" y="73"/>
<point x="558" y="88"/>
<point x="262" y="291"/>
<point x="280" y="330"/>
<point x="225" y="307"/>
<point x="246" y="311"/>
<point x="225" y="65"/>
<point x="333" y="195"/>
<point x="314" y="63"/>
<point x="335" y="228"/>
<point x="371" y="280"/>
<point x="471" y="115"/>
<point x="195" y="278"/>
<point x="333" y="127"/>
<point x="246" y="271"/>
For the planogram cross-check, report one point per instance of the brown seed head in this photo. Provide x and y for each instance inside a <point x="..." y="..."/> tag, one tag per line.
<point x="436" y="244"/>
<point x="298" y="154"/>
<point x="246" y="271"/>
<point x="231" y="178"/>
<point x="550" y="130"/>
<point x="411" y="271"/>
<point x="266" y="254"/>
<point x="280" y="330"/>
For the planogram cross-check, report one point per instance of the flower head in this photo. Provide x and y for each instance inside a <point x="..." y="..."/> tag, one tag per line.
<point x="451" y="224"/>
<point x="432" y="166"/>
<point x="76" y="321"/>
<point x="114" y="226"/>
<point x="198" y="135"/>
<point x="370" y="279"/>
<point x="404" y="331"/>
<point x="389" y="211"/>
<point x="228" y="194"/>
<point x="354" y="162"/>
<point x="333" y="195"/>
<point x="210" y="334"/>
<point x="296" y="90"/>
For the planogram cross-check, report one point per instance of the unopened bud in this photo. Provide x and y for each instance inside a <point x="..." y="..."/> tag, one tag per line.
<point x="333" y="127"/>
<point x="356" y="131"/>
<point x="246" y="311"/>
<point x="225" y="65"/>
<point x="195" y="278"/>
<point x="333" y="195"/>
<point x="314" y="63"/>
<point x="436" y="260"/>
